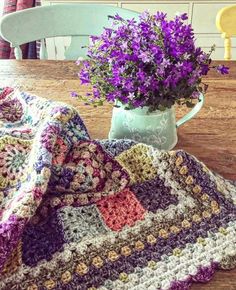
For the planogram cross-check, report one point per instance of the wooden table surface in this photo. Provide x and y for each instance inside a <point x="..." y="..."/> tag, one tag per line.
<point x="210" y="136"/>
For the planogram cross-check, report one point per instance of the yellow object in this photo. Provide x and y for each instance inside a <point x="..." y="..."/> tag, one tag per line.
<point x="124" y="277"/>
<point x="49" y="284"/>
<point x="97" y="262"/>
<point x="82" y="269"/>
<point x="66" y="277"/>
<point x="177" y="252"/>
<point x="126" y="251"/>
<point x="113" y="256"/>
<point x="226" y="23"/>
<point x="139" y="246"/>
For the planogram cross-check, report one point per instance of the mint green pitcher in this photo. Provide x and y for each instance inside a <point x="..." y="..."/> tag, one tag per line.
<point x="158" y="128"/>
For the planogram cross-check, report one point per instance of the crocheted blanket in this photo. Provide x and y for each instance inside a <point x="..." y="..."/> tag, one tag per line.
<point x="77" y="213"/>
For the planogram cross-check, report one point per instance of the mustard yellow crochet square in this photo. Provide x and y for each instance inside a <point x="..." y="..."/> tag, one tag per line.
<point x="138" y="163"/>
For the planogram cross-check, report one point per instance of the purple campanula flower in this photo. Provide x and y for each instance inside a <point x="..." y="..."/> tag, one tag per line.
<point x="96" y="93"/>
<point x="204" y="69"/>
<point x="111" y="97"/>
<point x="84" y="77"/>
<point x="94" y="38"/>
<point x="141" y="75"/>
<point x="117" y="17"/>
<point x="195" y="95"/>
<point x="184" y="16"/>
<point x="160" y="16"/>
<point x="144" y="16"/>
<point x="131" y="22"/>
<point x="74" y="94"/>
<point x="222" y="69"/>
<point x="131" y="96"/>
<point x="124" y="45"/>
<point x="145" y="57"/>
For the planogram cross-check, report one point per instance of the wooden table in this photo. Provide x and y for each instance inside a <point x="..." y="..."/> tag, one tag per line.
<point x="211" y="136"/>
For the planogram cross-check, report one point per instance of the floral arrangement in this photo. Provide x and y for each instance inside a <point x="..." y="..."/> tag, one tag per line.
<point x="150" y="62"/>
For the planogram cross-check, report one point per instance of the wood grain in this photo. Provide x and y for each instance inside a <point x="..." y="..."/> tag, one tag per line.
<point x="210" y="136"/>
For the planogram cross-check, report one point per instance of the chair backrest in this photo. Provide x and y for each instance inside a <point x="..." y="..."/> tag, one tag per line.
<point x="226" y="23"/>
<point x="76" y="20"/>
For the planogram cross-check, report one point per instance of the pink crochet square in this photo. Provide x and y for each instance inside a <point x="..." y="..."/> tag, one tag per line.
<point x="120" y="210"/>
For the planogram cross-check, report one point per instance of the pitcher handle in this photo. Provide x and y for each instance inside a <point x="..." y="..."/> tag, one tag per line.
<point x="192" y="113"/>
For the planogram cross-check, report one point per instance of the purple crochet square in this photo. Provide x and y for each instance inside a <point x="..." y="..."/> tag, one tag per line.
<point x="41" y="241"/>
<point x="154" y="195"/>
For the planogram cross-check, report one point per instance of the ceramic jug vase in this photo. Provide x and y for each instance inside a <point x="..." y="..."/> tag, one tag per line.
<point x="158" y="128"/>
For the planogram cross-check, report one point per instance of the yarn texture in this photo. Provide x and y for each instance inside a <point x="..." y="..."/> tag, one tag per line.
<point x="82" y="214"/>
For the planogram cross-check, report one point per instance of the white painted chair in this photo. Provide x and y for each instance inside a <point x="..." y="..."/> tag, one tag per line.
<point x="76" y="20"/>
<point x="226" y="24"/>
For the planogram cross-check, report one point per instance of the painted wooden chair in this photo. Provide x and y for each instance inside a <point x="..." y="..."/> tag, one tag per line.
<point x="226" y="23"/>
<point x="76" y="20"/>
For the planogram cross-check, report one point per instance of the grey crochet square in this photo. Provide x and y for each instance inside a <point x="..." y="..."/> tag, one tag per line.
<point x="81" y="223"/>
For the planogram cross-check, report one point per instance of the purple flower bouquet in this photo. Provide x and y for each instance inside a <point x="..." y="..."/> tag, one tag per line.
<point x="144" y="67"/>
<point x="152" y="62"/>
